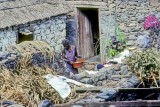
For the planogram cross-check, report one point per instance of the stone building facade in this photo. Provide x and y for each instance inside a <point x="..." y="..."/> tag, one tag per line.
<point x="50" y="30"/>
<point x="47" y="20"/>
<point x="45" y="25"/>
<point x="131" y="15"/>
<point x="128" y="15"/>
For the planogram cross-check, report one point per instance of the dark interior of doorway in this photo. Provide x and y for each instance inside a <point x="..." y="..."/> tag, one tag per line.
<point x="93" y="16"/>
<point x="25" y="37"/>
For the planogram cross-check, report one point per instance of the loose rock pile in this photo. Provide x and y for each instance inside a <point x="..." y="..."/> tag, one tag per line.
<point x="118" y="74"/>
<point x="114" y="77"/>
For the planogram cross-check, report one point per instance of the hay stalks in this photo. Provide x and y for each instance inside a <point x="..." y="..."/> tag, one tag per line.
<point x="25" y="85"/>
<point x="146" y="65"/>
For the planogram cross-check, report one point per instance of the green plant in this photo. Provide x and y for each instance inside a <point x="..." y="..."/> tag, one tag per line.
<point x="97" y="47"/>
<point x="112" y="52"/>
<point x="120" y="35"/>
<point x="146" y="65"/>
<point x="116" y="44"/>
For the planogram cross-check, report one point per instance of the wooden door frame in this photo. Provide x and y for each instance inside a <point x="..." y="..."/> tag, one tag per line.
<point x="100" y="36"/>
<point x="99" y="23"/>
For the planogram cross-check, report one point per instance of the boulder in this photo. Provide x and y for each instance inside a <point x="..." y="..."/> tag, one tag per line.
<point x="130" y="43"/>
<point x="77" y="106"/>
<point x="132" y="37"/>
<point x="46" y="103"/>
<point x="143" y="41"/>
<point x="108" y="95"/>
<point x="134" y="80"/>
<point x="99" y="83"/>
<point x="124" y="70"/>
<point x="116" y="78"/>
<point x="81" y="76"/>
<point x="89" y="67"/>
<point x="104" y="82"/>
<point x="87" y="81"/>
<point x="116" y="67"/>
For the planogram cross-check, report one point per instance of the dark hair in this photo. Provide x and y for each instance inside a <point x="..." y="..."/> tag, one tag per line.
<point x="65" y="42"/>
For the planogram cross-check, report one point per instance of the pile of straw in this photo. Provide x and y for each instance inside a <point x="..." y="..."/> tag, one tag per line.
<point x="26" y="84"/>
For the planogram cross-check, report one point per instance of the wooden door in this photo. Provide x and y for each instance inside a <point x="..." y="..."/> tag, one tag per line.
<point x="85" y="46"/>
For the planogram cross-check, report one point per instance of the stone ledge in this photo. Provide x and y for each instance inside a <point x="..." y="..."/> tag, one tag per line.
<point x="86" y="3"/>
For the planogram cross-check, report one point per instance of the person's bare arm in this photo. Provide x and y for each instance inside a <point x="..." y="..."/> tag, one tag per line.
<point x="63" y="56"/>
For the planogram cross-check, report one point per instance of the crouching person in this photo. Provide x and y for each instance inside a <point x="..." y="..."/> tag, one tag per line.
<point x="69" y="55"/>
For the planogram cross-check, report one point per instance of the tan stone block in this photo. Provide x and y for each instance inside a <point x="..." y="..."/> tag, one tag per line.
<point x="89" y="67"/>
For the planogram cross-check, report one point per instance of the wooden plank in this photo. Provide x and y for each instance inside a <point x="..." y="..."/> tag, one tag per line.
<point x="85" y="45"/>
<point x="146" y="103"/>
<point x="88" y="3"/>
<point x="142" y="103"/>
<point x="73" y="101"/>
<point x="98" y="89"/>
<point x="139" y="89"/>
<point x="91" y="62"/>
<point x="120" y="76"/>
<point x="100" y="36"/>
<point x="91" y="89"/>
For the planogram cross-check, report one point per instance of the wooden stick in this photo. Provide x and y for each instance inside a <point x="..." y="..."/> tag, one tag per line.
<point x="143" y="103"/>
<point x="154" y="79"/>
<point x="120" y="76"/>
<point x="91" y="62"/>
<point x="139" y="89"/>
<point x="92" y="89"/>
<point x="74" y="100"/>
<point x="148" y="96"/>
<point x="159" y="74"/>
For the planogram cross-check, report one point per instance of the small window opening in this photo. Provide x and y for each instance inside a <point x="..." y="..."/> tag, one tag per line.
<point x="23" y="36"/>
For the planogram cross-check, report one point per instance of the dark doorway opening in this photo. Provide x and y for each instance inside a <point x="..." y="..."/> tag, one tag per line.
<point x="88" y="32"/>
<point x="25" y="37"/>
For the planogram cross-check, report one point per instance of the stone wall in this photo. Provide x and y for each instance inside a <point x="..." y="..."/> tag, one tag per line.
<point x="5" y="1"/>
<point x="8" y="36"/>
<point x="131" y="14"/>
<point x="52" y="30"/>
<point x="127" y="14"/>
<point x="108" y="25"/>
<point x="71" y="32"/>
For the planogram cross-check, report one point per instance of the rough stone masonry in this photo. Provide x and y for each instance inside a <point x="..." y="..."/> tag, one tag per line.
<point x="51" y="30"/>
<point x="131" y="14"/>
<point x="127" y="14"/>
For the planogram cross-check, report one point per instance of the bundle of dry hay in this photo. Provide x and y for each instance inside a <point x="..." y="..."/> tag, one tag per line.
<point x="26" y="85"/>
<point x="33" y="53"/>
